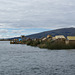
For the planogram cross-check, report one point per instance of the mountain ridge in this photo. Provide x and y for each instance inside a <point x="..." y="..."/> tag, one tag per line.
<point x="63" y="31"/>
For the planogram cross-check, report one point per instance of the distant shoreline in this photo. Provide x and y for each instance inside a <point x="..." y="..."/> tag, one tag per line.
<point x="47" y="44"/>
<point x="4" y="40"/>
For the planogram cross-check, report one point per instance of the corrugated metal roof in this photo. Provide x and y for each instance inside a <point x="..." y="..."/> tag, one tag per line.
<point x="71" y="37"/>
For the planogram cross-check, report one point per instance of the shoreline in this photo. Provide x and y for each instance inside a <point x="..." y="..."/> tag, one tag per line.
<point x="46" y="44"/>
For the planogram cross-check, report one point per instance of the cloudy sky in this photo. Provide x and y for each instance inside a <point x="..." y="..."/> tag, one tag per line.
<point x="24" y="17"/>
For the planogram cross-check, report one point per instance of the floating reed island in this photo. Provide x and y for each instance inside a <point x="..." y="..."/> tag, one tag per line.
<point x="49" y="42"/>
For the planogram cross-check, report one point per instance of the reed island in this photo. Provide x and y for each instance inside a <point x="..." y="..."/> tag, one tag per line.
<point x="49" y="42"/>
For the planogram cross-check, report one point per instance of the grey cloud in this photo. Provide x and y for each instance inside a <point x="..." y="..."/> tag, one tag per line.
<point x="37" y="13"/>
<point x="3" y="31"/>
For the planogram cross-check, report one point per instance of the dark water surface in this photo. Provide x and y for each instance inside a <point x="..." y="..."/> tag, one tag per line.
<point x="26" y="60"/>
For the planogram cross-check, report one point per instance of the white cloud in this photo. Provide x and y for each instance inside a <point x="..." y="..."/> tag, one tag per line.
<point x="49" y="14"/>
<point x="3" y="31"/>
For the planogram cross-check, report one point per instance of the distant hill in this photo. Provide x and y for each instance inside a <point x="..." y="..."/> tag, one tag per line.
<point x="63" y="31"/>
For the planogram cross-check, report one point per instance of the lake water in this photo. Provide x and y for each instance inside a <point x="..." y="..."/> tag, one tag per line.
<point x="26" y="60"/>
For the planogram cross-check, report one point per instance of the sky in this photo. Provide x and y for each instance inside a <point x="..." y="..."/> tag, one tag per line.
<point x="25" y="17"/>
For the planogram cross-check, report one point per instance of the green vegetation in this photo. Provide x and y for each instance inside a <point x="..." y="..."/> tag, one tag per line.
<point x="48" y="43"/>
<point x="56" y="45"/>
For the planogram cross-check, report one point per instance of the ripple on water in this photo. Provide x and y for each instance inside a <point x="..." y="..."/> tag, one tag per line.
<point x="26" y="60"/>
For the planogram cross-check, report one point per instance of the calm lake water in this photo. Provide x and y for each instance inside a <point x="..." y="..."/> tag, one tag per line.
<point x="25" y="60"/>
